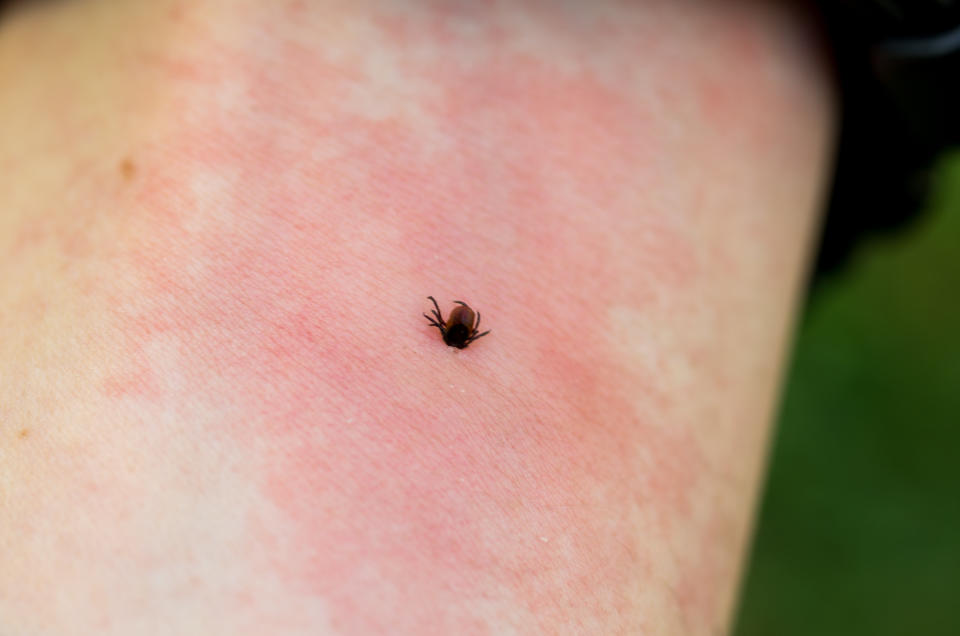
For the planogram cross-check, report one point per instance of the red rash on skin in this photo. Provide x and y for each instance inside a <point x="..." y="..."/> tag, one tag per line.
<point x="417" y="486"/>
<point x="391" y="479"/>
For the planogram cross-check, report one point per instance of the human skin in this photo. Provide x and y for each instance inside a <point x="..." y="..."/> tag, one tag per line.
<point x="221" y="410"/>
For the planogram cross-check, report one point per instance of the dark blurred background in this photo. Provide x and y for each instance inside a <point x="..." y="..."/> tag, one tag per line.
<point x="859" y="528"/>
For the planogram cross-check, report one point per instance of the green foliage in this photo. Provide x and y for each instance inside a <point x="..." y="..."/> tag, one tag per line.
<point x="859" y="530"/>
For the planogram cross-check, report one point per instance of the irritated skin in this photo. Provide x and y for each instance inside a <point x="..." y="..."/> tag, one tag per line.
<point x="221" y="410"/>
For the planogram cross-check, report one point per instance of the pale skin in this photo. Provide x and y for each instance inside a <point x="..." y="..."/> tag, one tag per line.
<point x="221" y="410"/>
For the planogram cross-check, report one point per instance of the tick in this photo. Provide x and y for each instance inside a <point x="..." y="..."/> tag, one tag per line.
<point x="458" y="330"/>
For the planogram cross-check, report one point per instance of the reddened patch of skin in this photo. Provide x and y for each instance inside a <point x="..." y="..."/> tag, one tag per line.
<point x="317" y="178"/>
<point x="480" y="481"/>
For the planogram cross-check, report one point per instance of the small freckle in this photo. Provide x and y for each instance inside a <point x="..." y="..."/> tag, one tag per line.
<point x="128" y="169"/>
<point x="23" y="433"/>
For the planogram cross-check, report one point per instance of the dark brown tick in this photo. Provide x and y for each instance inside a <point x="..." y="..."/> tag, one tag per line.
<point x="458" y="330"/>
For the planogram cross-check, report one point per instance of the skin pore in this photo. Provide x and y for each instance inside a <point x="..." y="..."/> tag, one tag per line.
<point x="221" y="410"/>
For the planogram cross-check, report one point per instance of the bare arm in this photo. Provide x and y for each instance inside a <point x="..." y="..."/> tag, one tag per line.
<point x="221" y="410"/>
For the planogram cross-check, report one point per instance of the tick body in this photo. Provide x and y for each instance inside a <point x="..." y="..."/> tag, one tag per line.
<point x="459" y="329"/>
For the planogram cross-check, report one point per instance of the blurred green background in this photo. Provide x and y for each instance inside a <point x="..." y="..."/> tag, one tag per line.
<point x="859" y="527"/>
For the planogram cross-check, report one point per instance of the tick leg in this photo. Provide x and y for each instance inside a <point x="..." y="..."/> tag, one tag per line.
<point x="472" y="338"/>
<point x="460" y="302"/>
<point x="436" y="310"/>
<point x="476" y="327"/>
<point x="434" y="323"/>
